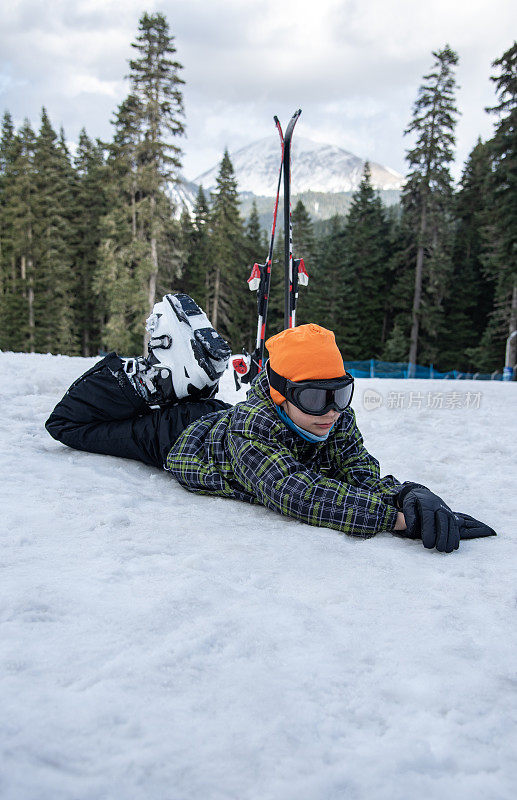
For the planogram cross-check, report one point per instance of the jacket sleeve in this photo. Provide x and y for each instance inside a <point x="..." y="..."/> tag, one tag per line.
<point x="353" y="464"/>
<point x="282" y="483"/>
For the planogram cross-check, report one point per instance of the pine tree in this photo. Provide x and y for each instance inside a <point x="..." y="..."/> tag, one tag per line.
<point x="186" y="231"/>
<point x="123" y="262"/>
<point x="255" y="236"/>
<point x="197" y="269"/>
<point x="170" y="253"/>
<point x="53" y="276"/>
<point x="229" y="272"/>
<point x="304" y="246"/>
<point x="365" y="276"/>
<point x="399" y="297"/>
<point x="6" y="142"/>
<point x="6" y="158"/>
<point x="327" y="302"/>
<point x="470" y="297"/>
<point x="123" y="157"/>
<point x="427" y="197"/>
<point x="139" y="253"/>
<point x="500" y="232"/>
<point x="155" y="82"/>
<point x="90" y="205"/>
<point x="16" y="237"/>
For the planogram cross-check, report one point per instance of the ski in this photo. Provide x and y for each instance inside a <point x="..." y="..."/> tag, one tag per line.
<point x="247" y="366"/>
<point x="295" y="273"/>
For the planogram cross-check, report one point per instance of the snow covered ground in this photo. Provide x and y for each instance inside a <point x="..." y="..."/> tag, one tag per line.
<point x="157" y="645"/>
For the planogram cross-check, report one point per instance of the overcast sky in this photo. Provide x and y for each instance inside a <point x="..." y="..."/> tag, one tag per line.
<point x="353" y="66"/>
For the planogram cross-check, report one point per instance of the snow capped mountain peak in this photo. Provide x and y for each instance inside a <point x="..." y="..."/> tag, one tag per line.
<point x="316" y="167"/>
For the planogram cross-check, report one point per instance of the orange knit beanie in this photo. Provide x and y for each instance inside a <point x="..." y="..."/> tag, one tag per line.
<point x="307" y="352"/>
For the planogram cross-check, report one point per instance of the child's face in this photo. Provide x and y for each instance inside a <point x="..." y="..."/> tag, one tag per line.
<point x="318" y="426"/>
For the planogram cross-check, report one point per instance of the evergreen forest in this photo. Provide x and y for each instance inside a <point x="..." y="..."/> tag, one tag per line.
<point x="90" y="241"/>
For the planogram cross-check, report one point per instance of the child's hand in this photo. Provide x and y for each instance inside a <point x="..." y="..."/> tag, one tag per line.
<point x="428" y="517"/>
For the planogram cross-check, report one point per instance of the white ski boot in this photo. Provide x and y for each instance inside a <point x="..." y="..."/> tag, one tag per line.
<point x="184" y="344"/>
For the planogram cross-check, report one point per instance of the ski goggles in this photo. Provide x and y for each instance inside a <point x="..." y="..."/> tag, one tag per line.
<point x="315" y="397"/>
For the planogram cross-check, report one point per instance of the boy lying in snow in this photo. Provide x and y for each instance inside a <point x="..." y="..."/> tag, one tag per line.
<point x="293" y="445"/>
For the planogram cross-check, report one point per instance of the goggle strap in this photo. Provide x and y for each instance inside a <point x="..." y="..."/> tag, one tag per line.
<point x="276" y="381"/>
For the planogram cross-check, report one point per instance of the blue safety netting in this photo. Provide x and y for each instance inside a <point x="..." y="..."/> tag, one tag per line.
<point x="401" y="369"/>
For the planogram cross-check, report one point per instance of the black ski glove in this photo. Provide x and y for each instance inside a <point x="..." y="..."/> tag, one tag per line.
<point x="471" y="528"/>
<point x="428" y="518"/>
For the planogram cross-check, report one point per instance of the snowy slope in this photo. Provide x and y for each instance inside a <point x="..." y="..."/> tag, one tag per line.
<point x="157" y="645"/>
<point x="316" y="167"/>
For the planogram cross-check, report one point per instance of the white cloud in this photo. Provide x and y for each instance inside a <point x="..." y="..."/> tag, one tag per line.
<point x="81" y="83"/>
<point x="354" y="66"/>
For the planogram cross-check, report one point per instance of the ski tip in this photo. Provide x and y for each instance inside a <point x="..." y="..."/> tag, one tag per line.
<point x="279" y="129"/>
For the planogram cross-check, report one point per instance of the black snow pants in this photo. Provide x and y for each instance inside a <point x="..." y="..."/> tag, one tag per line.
<point x="103" y="413"/>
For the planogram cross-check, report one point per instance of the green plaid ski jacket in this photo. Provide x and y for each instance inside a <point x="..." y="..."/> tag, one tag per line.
<point x="248" y="453"/>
